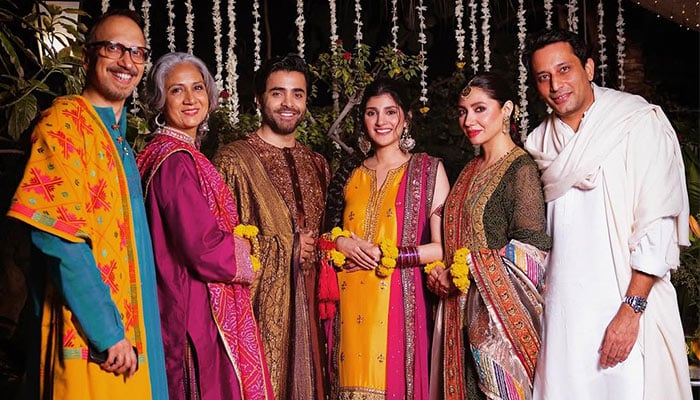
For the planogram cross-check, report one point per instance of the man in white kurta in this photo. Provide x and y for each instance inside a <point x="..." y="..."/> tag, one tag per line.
<point x="617" y="211"/>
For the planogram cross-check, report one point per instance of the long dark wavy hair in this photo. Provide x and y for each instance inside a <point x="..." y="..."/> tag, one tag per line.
<point x="335" y="197"/>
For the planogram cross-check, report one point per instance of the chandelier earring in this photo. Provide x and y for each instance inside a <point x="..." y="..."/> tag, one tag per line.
<point x="203" y="128"/>
<point x="406" y="143"/>
<point x="506" y="125"/>
<point x="159" y="124"/>
<point x="364" y="144"/>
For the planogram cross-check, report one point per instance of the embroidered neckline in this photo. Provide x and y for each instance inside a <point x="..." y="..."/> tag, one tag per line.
<point x="175" y="133"/>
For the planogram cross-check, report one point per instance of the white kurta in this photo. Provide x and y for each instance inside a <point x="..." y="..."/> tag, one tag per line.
<point x="604" y="221"/>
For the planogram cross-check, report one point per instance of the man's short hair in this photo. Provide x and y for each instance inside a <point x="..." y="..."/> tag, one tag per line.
<point x="290" y="63"/>
<point x="123" y="12"/>
<point x="538" y="40"/>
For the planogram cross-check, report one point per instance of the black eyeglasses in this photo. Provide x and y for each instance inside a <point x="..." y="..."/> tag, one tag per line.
<point x="115" y="51"/>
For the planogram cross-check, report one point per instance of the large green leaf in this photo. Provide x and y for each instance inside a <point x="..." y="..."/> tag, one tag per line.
<point x="21" y="116"/>
<point x="6" y="44"/>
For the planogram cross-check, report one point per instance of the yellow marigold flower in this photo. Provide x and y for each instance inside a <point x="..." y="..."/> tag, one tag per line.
<point x="389" y="262"/>
<point x="255" y="262"/>
<point x="461" y="255"/>
<point x="337" y="232"/>
<point x="337" y="257"/>
<point x="461" y="283"/>
<point x="424" y="109"/>
<point x="460" y="65"/>
<point x="431" y="266"/>
<point x="397" y="71"/>
<point x="459" y="270"/>
<point x="388" y="249"/>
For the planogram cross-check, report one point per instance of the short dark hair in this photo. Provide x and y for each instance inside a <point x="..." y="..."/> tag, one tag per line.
<point x="291" y="63"/>
<point x="538" y="40"/>
<point x="121" y="12"/>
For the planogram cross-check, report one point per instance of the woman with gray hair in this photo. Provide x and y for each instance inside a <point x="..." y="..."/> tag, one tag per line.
<point x="204" y="269"/>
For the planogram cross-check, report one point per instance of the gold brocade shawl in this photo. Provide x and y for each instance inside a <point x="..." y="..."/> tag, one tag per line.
<point x="74" y="186"/>
<point x="283" y="297"/>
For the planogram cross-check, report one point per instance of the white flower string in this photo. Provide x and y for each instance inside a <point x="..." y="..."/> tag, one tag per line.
<point x="459" y="32"/>
<point x="216" y="18"/>
<point x="231" y="65"/>
<point x="474" y="37"/>
<point x="485" y="30"/>
<point x="620" y="46"/>
<point x="602" y="56"/>
<point x="135" y="95"/>
<point x="145" y="13"/>
<point x="573" y="16"/>
<point x="358" y="24"/>
<point x="334" y="47"/>
<point x="548" y="14"/>
<point x="105" y="6"/>
<point x="300" y="22"/>
<point x="257" y="60"/>
<point x="395" y="24"/>
<point x="189" y="24"/>
<point x="131" y="5"/>
<point x="422" y="39"/>
<point x="522" y="71"/>
<point x="171" y="25"/>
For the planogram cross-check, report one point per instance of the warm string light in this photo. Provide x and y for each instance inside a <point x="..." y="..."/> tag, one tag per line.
<point x="522" y="71"/>
<point x="548" y="14"/>
<point x="257" y="40"/>
<point x="232" y="65"/>
<point x="216" y="19"/>
<point x="459" y="31"/>
<point x="171" y="25"/>
<point x="395" y="24"/>
<point x="573" y="16"/>
<point x="486" y="31"/>
<point x="358" y="24"/>
<point x="620" y="25"/>
<point x="422" y="39"/>
<point x="189" y="24"/>
<point x="602" y="56"/>
<point x="300" y="22"/>
<point x="474" y="37"/>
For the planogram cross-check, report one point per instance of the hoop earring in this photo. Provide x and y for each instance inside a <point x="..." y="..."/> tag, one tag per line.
<point x="406" y="143"/>
<point x="159" y="124"/>
<point x="364" y="144"/>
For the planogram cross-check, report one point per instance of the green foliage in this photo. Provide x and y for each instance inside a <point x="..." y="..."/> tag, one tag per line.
<point x="31" y="68"/>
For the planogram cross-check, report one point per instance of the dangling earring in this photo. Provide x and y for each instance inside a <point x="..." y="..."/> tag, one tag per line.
<point x="203" y="128"/>
<point x="159" y="124"/>
<point x="364" y="144"/>
<point x="506" y="125"/>
<point x="406" y="143"/>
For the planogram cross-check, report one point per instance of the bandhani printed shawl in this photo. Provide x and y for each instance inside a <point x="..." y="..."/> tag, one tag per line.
<point x="507" y="282"/>
<point x="74" y="187"/>
<point x="230" y="303"/>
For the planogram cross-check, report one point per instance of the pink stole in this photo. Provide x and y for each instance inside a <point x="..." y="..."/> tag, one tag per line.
<point x="230" y="303"/>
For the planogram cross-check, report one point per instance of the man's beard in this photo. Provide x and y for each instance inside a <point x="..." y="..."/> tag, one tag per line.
<point x="280" y="127"/>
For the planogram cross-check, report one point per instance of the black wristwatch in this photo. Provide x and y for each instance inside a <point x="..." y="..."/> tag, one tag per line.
<point x="638" y="303"/>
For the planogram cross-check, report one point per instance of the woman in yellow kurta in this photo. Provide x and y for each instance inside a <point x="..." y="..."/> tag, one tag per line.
<point x="390" y="206"/>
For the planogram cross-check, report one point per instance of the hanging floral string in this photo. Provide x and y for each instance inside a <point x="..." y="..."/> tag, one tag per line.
<point x="145" y="11"/>
<point x="216" y="18"/>
<point x="105" y="6"/>
<point x="358" y="24"/>
<point x="394" y="24"/>
<point x="573" y="16"/>
<point x="334" y="47"/>
<point x="135" y="95"/>
<point x="257" y="60"/>
<point x="486" y="31"/>
<point x="620" y="46"/>
<point x="422" y="39"/>
<point x="189" y="24"/>
<point x="474" y="37"/>
<point x="300" y="21"/>
<point x="231" y="65"/>
<point x="602" y="56"/>
<point x="522" y="71"/>
<point x="459" y="32"/>
<point x="548" y="14"/>
<point x="171" y="25"/>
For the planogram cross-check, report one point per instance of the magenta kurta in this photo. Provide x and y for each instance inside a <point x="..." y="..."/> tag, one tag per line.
<point x="210" y="339"/>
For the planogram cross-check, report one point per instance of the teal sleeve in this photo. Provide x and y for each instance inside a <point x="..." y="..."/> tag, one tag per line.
<point x="73" y="270"/>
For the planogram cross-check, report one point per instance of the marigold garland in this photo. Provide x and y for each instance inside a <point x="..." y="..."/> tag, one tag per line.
<point x="250" y="232"/>
<point x="389" y="255"/>
<point x="460" y="269"/>
<point x="431" y="266"/>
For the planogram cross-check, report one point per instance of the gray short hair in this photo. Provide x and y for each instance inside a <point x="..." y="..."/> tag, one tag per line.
<point x="154" y="96"/>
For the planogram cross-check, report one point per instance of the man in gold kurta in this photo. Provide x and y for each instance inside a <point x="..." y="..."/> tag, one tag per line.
<point x="280" y="187"/>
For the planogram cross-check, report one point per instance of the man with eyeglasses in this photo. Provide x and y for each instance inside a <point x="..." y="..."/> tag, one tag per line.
<point x="93" y="276"/>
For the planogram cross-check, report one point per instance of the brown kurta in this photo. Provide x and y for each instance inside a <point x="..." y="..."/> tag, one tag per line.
<point x="282" y="191"/>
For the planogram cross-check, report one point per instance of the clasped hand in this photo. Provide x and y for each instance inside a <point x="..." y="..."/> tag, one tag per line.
<point x="439" y="282"/>
<point x="359" y="254"/>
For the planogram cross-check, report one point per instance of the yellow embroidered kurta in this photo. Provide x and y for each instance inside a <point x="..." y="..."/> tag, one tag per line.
<point x="364" y="297"/>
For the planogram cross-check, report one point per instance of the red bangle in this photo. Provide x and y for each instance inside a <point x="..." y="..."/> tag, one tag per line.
<point x="408" y="257"/>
